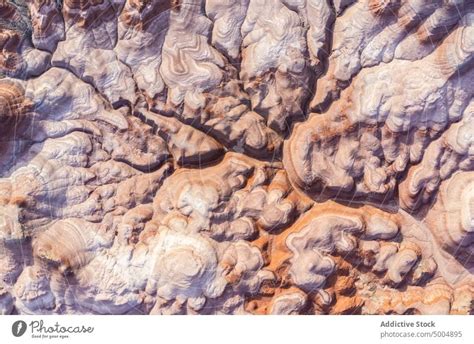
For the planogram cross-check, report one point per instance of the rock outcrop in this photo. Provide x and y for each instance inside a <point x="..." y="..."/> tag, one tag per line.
<point x="236" y="157"/>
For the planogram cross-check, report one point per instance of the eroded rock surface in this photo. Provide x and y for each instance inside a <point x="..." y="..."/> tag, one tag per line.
<point x="236" y="157"/>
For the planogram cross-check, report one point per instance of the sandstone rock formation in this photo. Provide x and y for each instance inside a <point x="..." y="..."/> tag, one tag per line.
<point x="236" y="157"/>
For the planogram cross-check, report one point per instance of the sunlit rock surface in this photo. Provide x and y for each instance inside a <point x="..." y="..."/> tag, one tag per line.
<point x="236" y="157"/>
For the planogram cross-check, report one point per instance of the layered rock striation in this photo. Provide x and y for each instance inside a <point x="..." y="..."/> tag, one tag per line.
<point x="236" y="157"/>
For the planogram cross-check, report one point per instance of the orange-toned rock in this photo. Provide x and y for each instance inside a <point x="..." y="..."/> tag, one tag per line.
<point x="236" y="157"/>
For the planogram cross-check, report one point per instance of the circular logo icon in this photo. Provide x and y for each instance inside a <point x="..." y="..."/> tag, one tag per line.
<point x="19" y="328"/>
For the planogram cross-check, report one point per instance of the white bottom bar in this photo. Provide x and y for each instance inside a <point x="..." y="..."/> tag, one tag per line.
<point x="237" y="329"/>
